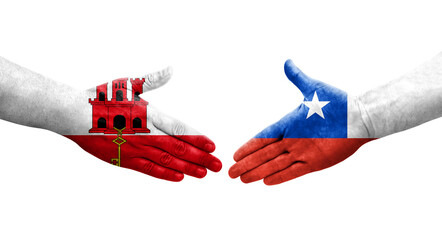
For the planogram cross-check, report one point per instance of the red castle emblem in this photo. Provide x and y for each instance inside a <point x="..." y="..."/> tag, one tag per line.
<point x="119" y="112"/>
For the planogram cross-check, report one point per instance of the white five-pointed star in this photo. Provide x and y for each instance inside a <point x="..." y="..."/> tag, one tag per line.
<point x="315" y="106"/>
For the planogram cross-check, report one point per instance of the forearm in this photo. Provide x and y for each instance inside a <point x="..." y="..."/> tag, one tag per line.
<point x="30" y="99"/>
<point x="406" y="102"/>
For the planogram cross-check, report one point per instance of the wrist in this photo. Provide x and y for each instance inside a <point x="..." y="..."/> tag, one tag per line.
<point x="359" y="122"/>
<point x="71" y="114"/>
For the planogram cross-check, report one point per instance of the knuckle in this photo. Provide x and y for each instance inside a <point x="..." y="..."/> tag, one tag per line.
<point x="241" y="167"/>
<point x="250" y="176"/>
<point x="198" y="141"/>
<point x="275" y="166"/>
<point x="202" y="159"/>
<point x="148" y="167"/>
<point x="179" y="148"/>
<point x="187" y="168"/>
<point x="178" y="129"/>
<point x="156" y="119"/>
<point x="280" y="178"/>
<point x="165" y="159"/>
<point x="282" y="162"/>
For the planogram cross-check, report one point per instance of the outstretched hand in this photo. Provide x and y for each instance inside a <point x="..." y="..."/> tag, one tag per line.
<point x="321" y="132"/>
<point x="121" y="128"/>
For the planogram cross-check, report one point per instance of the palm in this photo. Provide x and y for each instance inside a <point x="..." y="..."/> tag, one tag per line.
<point x="312" y="137"/>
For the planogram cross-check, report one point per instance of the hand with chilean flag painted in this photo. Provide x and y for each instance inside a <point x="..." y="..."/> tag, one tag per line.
<point x="123" y="129"/>
<point x="324" y="130"/>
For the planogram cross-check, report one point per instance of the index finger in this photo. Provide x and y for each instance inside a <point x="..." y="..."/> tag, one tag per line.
<point x="178" y="129"/>
<point x="256" y="159"/>
<point x="252" y="146"/>
<point x="267" y="136"/>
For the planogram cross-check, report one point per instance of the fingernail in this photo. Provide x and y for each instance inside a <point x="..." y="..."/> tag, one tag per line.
<point x="269" y="182"/>
<point x="209" y="147"/>
<point x="179" y="176"/>
<point x="215" y="166"/>
<point x="201" y="172"/>
<point x="232" y="173"/>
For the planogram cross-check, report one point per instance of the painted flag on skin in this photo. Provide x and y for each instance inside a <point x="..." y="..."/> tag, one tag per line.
<point x="319" y="133"/>
<point x="125" y="131"/>
<point x="323" y="113"/>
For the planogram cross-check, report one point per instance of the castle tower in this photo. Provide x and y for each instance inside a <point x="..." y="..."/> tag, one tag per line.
<point x="119" y="112"/>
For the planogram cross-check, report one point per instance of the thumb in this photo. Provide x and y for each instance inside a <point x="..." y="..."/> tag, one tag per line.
<point x="157" y="79"/>
<point x="297" y="77"/>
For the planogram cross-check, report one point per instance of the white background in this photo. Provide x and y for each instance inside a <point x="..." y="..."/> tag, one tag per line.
<point x="229" y="84"/>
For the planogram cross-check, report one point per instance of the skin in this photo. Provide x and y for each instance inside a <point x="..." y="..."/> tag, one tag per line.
<point x="44" y="103"/>
<point x="406" y="102"/>
<point x="280" y="159"/>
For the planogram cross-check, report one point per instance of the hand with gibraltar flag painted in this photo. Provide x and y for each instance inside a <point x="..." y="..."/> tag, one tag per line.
<point x="110" y="121"/>
<point x="324" y="130"/>
<point x="126" y="131"/>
